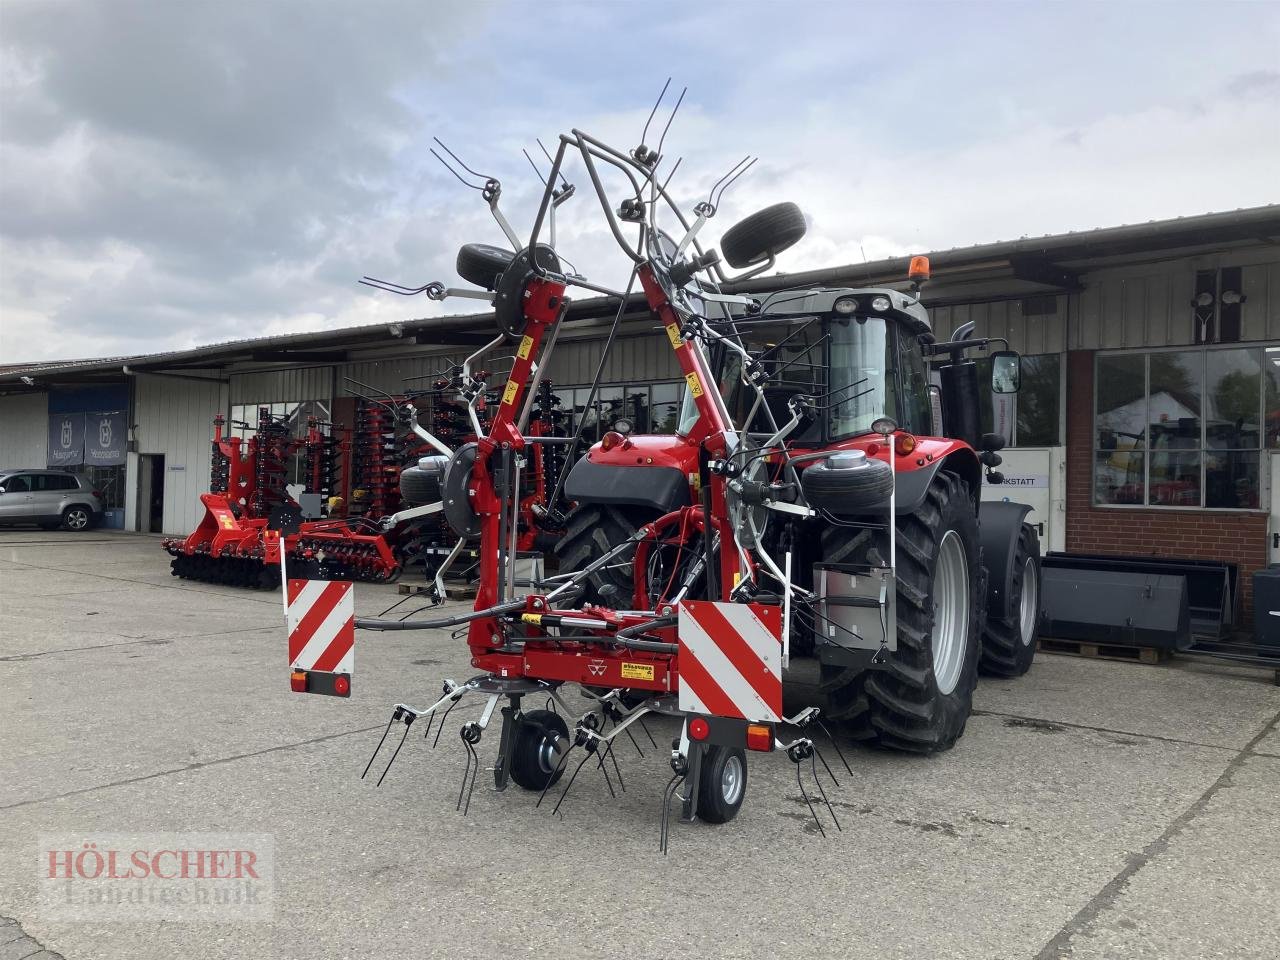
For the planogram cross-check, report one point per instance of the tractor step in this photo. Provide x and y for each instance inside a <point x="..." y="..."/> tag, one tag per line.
<point x="1104" y="651"/>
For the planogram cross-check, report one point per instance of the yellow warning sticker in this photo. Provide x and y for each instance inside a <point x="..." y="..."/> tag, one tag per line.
<point x="673" y="333"/>
<point x="637" y="671"/>
<point x="526" y="344"/>
<point x="509" y="394"/>
<point x="534" y="618"/>
<point x="695" y="385"/>
<point x="695" y="481"/>
<point x="228" y="523"/>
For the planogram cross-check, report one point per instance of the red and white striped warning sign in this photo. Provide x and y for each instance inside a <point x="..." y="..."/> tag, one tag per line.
<point x="731" y="659"/>
<point x="322" y="628"/>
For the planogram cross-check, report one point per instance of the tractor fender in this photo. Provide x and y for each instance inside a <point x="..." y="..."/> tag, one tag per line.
<point x="910" y="486"/>
<point x="660" y="487"/>
<point x="999" y="524"/>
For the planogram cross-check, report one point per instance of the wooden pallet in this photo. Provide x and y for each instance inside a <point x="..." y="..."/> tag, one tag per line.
<point x="1104" y="651"/>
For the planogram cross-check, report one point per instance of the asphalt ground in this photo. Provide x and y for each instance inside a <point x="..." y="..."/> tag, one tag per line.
<point x="1093" y="809"/>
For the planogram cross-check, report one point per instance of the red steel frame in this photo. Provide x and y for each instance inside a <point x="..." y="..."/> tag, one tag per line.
<point x="567" y="660"/>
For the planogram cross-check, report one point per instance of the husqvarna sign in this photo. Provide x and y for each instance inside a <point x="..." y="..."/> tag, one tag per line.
<point x="104" y="440"/>
<point x="66" y="439"/>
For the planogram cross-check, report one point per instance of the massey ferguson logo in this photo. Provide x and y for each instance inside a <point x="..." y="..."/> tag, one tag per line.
<point x="104" y="433"/>
<point x="64" y="437"/>
<point x="596" y="667"/>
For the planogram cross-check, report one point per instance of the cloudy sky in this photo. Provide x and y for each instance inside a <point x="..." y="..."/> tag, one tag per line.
<point x="178" y="172"/>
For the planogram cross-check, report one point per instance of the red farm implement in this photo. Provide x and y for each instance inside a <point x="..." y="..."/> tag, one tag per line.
<point x="814" y="505"/>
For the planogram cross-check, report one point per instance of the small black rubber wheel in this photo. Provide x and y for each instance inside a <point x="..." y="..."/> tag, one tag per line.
<point x="482" y="264"/>
<point x="77" y="518"/>
<point x="540" y="739"/>
<point x="722" y="784"/>
<point x="863" y="485"/>
<point x="766" y="232"/>
<point x="1009" y="643"/>
<point x="419" y="486"/>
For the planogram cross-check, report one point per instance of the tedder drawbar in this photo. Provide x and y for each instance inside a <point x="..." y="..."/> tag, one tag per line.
<point x="819" y="499"/>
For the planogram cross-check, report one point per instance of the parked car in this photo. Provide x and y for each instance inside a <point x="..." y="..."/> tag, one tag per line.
<point x="49" y="499"/>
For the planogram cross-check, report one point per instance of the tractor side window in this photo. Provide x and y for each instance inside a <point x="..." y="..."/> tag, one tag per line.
<point x="913" y="375"/>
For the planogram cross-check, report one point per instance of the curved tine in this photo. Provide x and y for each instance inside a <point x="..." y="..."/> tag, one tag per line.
<point x="712" y="192"/>
<point x="474" y="173"/>
<point x="552" y="162"/>
<point x="674" y="111"/>
<point x="387" y="768"/>
<point x="475" y="772"/>
<point x="445" y="163"/>
<point x="605" y="770"/>
<point x="445" y="716"/>
<point x="839" y="753"/>
<point x="818" y="753"/>
<point x="390" y="287"/>
<point x="569" y="786"/>
<point x="664" y="830"/>
<point x="805" y="795"/>
<point x="378" y="748"/>
<point x="818" y="784"/>
<point x="616" y="769"/>
<point x="666" y="183"/>
<point x="534" y="165"/>
<point x="718" y="199"/>
<point x="647" y="733"/>
<point x="656" y="104"/>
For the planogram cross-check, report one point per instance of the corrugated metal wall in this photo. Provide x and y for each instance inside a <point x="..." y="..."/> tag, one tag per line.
<point x="174" y="418"/>
<point x="1120" y="308"/>
<point x="645" y="358"/>
<point x="24" y="430"/>
<point x="1028" y="334"/>
<point x="283" y="386"/>
<point x="399" y="374"/>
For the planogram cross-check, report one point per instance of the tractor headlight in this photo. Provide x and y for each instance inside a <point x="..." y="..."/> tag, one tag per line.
<point x="880" y="304"/>
<point x="846" y="305"/>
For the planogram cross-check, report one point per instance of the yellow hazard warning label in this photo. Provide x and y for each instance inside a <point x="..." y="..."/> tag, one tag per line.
<point x="673" y="333"/>
<point x="637" y="671"/>
<point x="509" y="394"/>
<point x="695" y="385"/>
<point x="534" y="618"/>
<point x="228" y="523"/>
<point x="526" y="344"/>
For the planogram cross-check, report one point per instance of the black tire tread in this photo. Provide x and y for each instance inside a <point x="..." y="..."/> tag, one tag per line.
<point x="418" y="486"/>
<point x="898" y="707"/>
<point x="846" y="492"/>
<point x="592" y="530"/>
<point x="482" y="264"/>
<point x="1003" y="652"/>
<point x="771" y="230"/>
<point x="534" y="727"/>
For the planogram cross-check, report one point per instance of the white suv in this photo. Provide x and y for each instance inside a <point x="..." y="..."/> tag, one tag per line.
<point x="48" y="498"/>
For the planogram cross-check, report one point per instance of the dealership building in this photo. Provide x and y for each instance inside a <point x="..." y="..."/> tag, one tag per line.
<point x="1148" y="422"/>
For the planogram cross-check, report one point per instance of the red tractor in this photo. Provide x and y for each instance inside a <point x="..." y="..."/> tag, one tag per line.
<point x="850" y="372"/>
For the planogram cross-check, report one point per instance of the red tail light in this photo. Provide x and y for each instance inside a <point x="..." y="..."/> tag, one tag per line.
<point x="97" y="494"/>
<point x="759" y="737"/>
<point x="699" y="729"/>
<point x="298" y="681"/>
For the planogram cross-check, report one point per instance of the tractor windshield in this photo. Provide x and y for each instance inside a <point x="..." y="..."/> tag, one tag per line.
<point x="877" y="369"/>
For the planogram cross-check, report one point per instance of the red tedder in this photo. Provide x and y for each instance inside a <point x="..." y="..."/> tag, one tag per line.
<point x="812" y="504"/>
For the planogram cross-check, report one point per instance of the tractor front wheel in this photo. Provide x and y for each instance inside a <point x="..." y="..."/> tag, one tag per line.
<point x="920" y="698"/>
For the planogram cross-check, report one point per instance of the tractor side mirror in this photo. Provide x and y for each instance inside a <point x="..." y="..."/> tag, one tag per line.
<point x="1006" y="372"/>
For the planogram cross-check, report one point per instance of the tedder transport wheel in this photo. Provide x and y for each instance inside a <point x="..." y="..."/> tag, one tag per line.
<point x="482" y="264"/>
<point x="592" y="530"/>
<point x="921" y="699"/>
<point x="535" y="756"/>
<point x="722" y="784"/>
<point x="764" y="234"/>
<point x="1009" y="644"/>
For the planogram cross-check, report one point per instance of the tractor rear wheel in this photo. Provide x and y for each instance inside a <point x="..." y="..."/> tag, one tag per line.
<point x="1009" y="643"/>
<point x="592" y="530"/>
<point x="920" y="699"/>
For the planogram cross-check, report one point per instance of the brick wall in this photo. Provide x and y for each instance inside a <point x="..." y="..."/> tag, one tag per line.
<point x="1239" y="538"/>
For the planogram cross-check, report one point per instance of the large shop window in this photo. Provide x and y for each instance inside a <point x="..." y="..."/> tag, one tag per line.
<point x="1037" y="410"/>
<point x="1185" y="428"/>
<point x="650" y="408"/>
